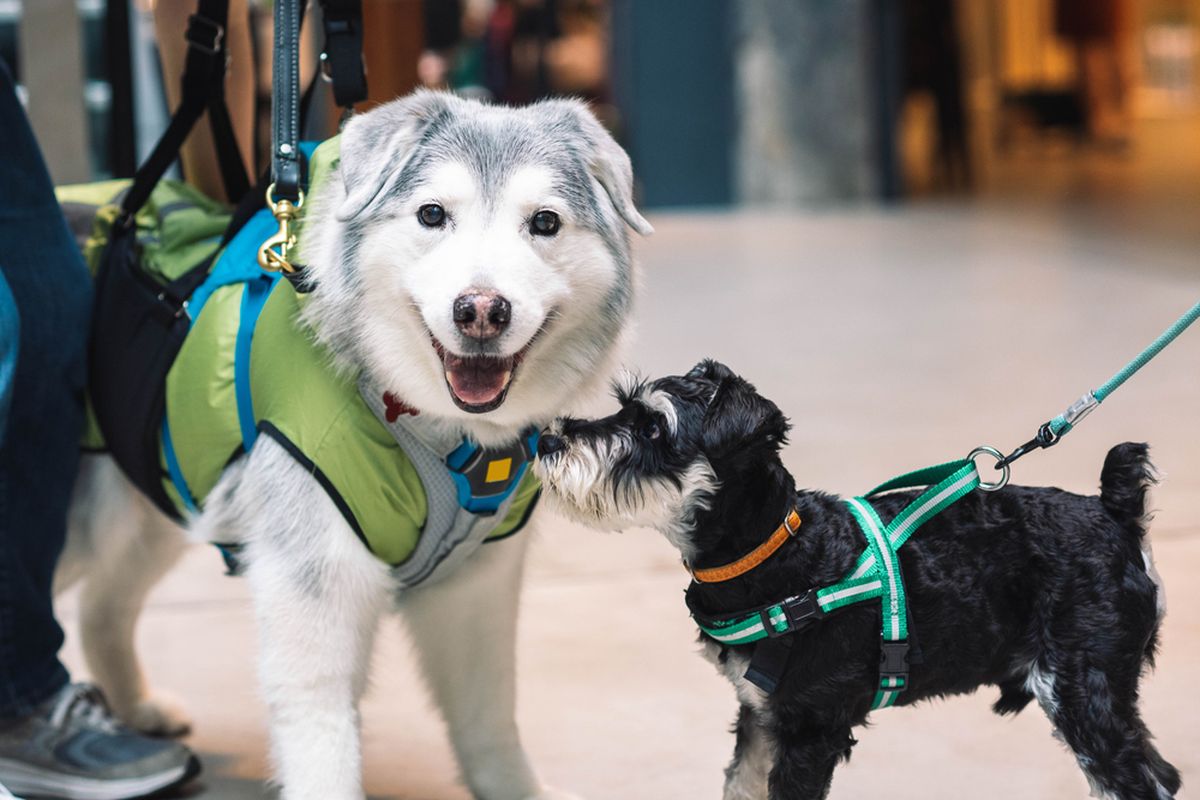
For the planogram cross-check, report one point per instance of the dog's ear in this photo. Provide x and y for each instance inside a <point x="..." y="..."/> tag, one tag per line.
<point x="608" y="163"/>
<point x="375" y="146"/>
<point x="710" y="370"/>
<point x="740" y="421"/>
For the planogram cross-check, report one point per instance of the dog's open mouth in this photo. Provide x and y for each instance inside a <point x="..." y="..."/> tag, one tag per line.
<point x="478" y="384"/>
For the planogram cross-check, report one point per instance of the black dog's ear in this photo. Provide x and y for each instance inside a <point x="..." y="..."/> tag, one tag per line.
<point x="710" y="370"/>
<point x="741" y="421"/>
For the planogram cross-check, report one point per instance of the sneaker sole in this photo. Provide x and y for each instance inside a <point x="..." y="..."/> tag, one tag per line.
<point x="29" y="781"/>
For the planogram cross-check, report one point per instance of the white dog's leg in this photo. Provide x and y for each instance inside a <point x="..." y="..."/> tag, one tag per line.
<point x="120" y="546"/>
<point x="318" y="594"/>
<point x="464" y="627"/>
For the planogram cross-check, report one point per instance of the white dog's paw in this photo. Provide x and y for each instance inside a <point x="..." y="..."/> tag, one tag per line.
<point x="160" y="714"/>
<point x="554" y="794"/>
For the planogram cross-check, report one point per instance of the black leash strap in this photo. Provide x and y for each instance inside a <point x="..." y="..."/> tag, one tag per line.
<point x="202" y="88"/>
<point x="342" y="60"/>
<point x="284" y="196"/>
<point x="285" y="103"/>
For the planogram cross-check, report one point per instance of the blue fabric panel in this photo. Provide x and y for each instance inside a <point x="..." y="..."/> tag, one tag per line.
<point x="238" y="262"/>
<point x="253" y="299"/>
<point x="173" y="468"/>
<point x="10" y="344"/>
<point x="459" y="457"/>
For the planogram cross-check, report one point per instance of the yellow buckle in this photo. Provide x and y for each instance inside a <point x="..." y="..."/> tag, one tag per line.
<point x="273" y="253"/>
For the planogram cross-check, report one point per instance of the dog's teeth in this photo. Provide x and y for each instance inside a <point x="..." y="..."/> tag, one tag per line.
<point x="449" y="378"/>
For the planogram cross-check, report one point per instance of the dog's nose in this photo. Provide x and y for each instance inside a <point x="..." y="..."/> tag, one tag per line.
<point x="549" y="444"/>
<point x="482" y="315"/>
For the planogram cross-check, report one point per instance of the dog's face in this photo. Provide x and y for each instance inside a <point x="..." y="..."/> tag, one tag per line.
<point x="476" y="259"/>
<point x="662" y="457"/>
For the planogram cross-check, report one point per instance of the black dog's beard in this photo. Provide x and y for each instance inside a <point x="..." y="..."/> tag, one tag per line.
<point x="598" y="484"/>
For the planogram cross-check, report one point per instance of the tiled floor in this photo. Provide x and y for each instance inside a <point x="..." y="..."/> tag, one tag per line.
<point x="894" y="339"/>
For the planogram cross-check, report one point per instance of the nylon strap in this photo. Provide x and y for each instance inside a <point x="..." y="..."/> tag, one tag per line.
<point x="343" y="58"/>
<point x="876" y="574"/>
<point x="202" y="87"/>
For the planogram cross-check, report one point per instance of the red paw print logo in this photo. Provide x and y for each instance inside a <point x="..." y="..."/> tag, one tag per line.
<point x="396" y="407"/>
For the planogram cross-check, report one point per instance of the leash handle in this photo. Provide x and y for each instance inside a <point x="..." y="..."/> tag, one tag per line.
<point x="285" y="102"/>
<point x="284" y="196"/>
<point x="1053" y="430"/>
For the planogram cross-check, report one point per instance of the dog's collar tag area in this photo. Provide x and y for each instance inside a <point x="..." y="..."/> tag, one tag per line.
<point x="786" y="530"/>
<point x="486" y="476"/>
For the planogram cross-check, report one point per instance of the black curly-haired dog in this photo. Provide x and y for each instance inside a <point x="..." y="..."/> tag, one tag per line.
<point x="1046" y="594"/>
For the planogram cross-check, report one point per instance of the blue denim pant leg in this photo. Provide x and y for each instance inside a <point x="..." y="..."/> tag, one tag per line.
<point x="47" y="306"/>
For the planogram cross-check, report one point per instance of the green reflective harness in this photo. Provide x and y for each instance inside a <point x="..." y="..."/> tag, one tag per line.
<point x="876" y="574"/>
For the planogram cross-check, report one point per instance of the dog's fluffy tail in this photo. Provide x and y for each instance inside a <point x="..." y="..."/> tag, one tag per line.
<point x="1126" y="476"/>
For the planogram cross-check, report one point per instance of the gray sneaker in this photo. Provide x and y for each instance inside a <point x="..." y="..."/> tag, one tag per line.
<point x="72" y="748"/>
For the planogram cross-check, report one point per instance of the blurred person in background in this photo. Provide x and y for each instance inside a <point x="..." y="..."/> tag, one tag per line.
<point x="1100" y="32"/>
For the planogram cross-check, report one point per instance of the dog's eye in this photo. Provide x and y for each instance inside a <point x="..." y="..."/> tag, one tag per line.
<point x="652" y="430"/>
<point x="431" y="215"/>
<point x="544" y="223"/>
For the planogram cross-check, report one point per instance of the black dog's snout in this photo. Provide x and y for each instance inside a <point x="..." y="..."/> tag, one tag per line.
<point x="550" y="444"/>
<point x="482" y="315"/>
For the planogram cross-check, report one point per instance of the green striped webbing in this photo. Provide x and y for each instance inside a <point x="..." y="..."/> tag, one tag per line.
<point x="875" y="574"/>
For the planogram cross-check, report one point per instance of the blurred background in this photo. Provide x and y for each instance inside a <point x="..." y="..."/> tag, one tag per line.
<point x="720" y="103"/>
<point x="917" y="225"/>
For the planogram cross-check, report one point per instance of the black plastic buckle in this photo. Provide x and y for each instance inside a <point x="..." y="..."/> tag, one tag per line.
<point x="893" y="662"/>
<point x="798" y="611"/>
<point x="204" y="35"/>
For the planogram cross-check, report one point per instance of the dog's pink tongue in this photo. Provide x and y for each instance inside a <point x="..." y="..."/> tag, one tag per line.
<point x="477" y="381"/>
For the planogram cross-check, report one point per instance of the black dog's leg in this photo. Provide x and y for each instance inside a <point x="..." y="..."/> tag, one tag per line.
<point x="1096" y="713"/>
<point x="746" y="776"/>
<point x="804" y="763"/>
<point x="1013" y="697"/>
<point x="1163" y="770"/>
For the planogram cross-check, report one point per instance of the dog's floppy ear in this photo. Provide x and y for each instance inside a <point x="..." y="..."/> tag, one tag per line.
<point x="606" y="160"/>
<point x="741" y="421"/>
<point x="375" y="146"/>
<point x="710" y="370"/>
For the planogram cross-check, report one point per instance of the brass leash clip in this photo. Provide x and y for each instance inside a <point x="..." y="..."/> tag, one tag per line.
<point x="273" y="253"/>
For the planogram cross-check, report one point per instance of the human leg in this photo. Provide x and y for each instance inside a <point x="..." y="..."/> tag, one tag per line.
<point x="56" y="739"/>
<point x="50" y="291"/>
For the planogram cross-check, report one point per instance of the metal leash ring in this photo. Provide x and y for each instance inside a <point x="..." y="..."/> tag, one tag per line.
<point x="1004" y="469"/>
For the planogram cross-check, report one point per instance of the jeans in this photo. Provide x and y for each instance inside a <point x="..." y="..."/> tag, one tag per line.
<point x="45" y="303"/>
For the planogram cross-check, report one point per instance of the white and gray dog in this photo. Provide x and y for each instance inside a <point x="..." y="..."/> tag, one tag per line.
<point x="524" y="211"/>
<point x="1048" y="595"/>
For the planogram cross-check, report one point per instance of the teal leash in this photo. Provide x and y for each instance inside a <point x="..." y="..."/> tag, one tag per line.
<point x="1052" y="431"/>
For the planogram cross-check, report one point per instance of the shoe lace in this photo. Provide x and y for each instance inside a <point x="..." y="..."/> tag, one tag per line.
<point x="83" y="702"/>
